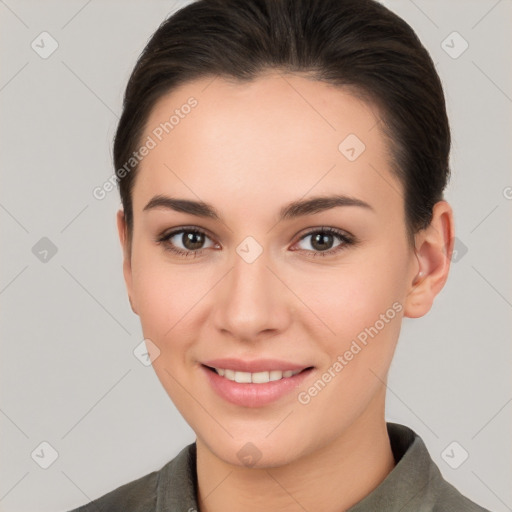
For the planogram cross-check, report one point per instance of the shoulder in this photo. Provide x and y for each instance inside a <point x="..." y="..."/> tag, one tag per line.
<point x="136" y="496"/>
<point x="447" y="498"/>
<point x="173" y="482"/>
<point x="418" y="480"/>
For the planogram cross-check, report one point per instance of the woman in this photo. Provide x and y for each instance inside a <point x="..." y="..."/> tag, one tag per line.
<point x="281" y="165"/>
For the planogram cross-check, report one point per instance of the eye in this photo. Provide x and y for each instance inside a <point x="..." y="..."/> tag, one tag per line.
<point x="323" y="241"/>
<point x="186" y="241"/>
<point x="190" y="242"/>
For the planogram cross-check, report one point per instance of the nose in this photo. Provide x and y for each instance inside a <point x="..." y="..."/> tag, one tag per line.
<point x="251" y="303"/>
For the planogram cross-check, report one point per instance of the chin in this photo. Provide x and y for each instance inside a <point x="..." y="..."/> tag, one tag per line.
<point x="260" y="450"/>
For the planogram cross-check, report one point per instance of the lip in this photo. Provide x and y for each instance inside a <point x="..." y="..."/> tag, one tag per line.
<point x="254" y="395"/>
<point x="257" y="365"/>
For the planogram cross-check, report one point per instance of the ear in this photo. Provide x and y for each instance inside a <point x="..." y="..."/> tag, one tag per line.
<point x="434" y="247"/>
<point x="122" y="229"/>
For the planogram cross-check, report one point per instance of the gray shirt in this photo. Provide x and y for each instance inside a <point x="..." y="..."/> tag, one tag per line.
<point x="414" y="485"/>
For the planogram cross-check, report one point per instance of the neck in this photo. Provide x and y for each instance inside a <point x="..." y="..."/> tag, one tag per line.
<point x="330" y="479"/>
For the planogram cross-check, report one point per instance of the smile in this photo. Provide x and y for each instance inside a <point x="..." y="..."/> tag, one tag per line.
<point x="257" y="377"/>
<point x="258" y="387"/>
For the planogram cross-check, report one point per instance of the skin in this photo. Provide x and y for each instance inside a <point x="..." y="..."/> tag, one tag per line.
<point x="249" y="149"/>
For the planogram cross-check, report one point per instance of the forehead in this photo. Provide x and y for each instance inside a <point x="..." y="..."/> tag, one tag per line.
<point x="272" y="139"/>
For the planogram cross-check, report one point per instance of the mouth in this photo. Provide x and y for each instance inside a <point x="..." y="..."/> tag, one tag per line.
<point x="261" y="377"/>
<point x="255" y="383"/>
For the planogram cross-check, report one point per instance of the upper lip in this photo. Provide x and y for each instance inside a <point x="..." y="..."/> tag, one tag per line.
<point x="256" y="365"/>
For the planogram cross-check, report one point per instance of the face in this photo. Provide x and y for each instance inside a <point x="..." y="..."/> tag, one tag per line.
<point x="257" y="279"/>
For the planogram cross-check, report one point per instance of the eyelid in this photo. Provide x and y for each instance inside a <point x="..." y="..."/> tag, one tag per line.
<point x="346" y="238"/>
<point x="165" y="236"/>
<point x="174" y="231"/>
<point x="325" y="229"/>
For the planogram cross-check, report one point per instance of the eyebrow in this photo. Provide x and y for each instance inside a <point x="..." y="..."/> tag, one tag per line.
<point x="290" y="211"/>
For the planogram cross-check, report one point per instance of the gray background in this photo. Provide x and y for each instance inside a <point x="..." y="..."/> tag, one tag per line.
<point x="68" y="373"/>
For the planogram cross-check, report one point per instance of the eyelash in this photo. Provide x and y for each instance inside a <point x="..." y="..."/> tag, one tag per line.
<point x="343" y="237"/>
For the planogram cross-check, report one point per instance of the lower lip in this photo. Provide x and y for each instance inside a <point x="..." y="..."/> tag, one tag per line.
<point x="253" y="395"/>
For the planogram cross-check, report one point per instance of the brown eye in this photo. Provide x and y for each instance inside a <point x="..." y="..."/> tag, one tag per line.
<point x="323" y="241"/>
<point x="192" y="240"/>
<point x="186" y="241"/>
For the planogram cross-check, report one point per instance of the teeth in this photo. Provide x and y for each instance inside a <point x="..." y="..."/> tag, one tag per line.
<point x="243" y="377"/>
<point x="255" y="378"/>
<point x="260" y="377"/>
<point x="275" y="375"/>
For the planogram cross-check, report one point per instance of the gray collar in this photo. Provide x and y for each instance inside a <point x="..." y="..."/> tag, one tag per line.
<point x="414" y="485"/>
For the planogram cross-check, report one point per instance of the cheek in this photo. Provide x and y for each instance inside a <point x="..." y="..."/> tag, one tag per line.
<point x="168" y="300"/>
<point x="362" y="305"/>
<point x="351" y="297"/>
<point x="165" y="294"/>
<point x="361" y="302"/>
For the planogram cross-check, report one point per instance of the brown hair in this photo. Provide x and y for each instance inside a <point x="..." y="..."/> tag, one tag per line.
<point x="359" y="44"/>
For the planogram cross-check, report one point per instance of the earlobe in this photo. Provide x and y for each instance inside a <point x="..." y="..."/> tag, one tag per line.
<point x="434" y="246"/>
<point x="127" y="265"/>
